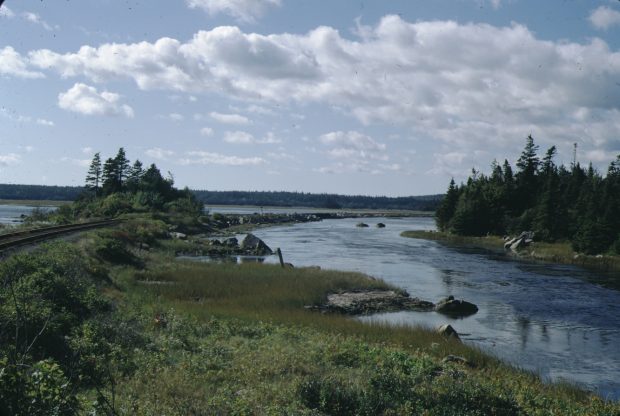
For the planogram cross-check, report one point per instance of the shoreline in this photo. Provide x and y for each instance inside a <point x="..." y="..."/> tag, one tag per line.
<point x="554" y="253"/>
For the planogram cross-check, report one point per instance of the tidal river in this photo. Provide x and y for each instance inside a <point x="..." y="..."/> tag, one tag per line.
<point x="552" y="319"/>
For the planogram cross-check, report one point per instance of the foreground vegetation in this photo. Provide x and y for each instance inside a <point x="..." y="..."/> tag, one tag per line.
<point x="104" y="326"/>
<point x="558" y="203"/>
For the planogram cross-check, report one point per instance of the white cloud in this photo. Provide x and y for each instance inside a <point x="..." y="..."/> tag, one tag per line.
<point x="242" y="10"/>
<point x="87" y="150"/>
<point x="6" y="12"/>
<point x="10" y="159"/>
<point x="351" y="139"/>
<point x="208" y="158"/>
<point x="229" y="118"/>
<point x="206" y="131"/>
<point x="44" y="122"/>
<point x="84" y="99"/>
<point x="159" y="153"/>
<point x="13" y="64"/>
<point x="176" y="117"/>
<point x="464" y="85"/>
<point x="36" y="19"/>
<point x="604" y="17"/>
<point x="83" y="163"/>
<point x="239" y="137"/>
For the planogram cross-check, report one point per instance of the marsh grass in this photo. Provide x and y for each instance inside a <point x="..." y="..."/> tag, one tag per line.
<point x="238" y="340"/>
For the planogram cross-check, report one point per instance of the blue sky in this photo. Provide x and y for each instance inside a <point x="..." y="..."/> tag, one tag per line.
<point x="352" y="97"/>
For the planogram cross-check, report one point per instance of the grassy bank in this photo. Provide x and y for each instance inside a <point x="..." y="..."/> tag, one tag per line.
<point x="145" y="334"/>
<point x="561" y="252"/>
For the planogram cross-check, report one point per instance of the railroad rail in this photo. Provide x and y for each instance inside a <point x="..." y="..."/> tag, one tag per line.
<point x="19" y="238"/>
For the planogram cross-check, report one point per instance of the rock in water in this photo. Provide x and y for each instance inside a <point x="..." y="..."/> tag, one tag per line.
<point x="361" y="225"/>
<point x="380" y="225"/>
<point x="254" y="245"/>
<point x="448" y="332"/>
<point x="455" y="308"/>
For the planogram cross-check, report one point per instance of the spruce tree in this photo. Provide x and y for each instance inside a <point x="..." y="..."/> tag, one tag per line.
<point x="93" y="177"/>
<point x="446" y="209"/>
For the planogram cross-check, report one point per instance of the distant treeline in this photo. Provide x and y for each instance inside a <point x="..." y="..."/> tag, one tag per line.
<point x="332" y="201"/>
<point x="256" y="198"/>
<point x="573" y="203"/>
<point x="40" y="192"/>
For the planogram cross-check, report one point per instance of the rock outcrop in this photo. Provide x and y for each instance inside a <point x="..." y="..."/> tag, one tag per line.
<point x="455" y="308"/>
<point x="255" y="246"/>
<point x="523" y="240"/>
<point x="361" y="225"/>
<point x="380" y="225"/>
<point x="448" y="332"/>
<point x="372" y="301"/>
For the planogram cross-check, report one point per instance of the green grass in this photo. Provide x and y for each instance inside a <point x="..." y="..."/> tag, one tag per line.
<point x="236" y="340"/>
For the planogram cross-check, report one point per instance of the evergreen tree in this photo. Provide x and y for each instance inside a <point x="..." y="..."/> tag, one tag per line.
<point x="134" y="176"/>
<point x="122" y="167"/>
<point x="109" y="177"/>
<point x="446" y="210"/>
<point x="527" y="175"/>
<point x="93" y="177"/>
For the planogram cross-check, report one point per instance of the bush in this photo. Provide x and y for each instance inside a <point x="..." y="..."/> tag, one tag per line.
<point x="38" y="389"/>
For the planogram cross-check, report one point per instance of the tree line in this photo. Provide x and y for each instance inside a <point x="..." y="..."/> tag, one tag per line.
<point x="330" y="201"/>
<point x="556" y="202"/>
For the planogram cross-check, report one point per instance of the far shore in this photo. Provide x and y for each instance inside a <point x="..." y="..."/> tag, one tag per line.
<point x="34" y="202"/>
<point x="559" y="252"/>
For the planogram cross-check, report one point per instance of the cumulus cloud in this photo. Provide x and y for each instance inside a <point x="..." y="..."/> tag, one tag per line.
<point x="469" y="86"/>
<point x="208" y="158"/>
<point x="206" y="131"/>
<point x="243" y="10"/>
<point x="84" y="99"/>
<point x="6" y="12"/>
<point x="240" y="137"/>
<point x="229" y="118"/>
<point x="84" y="163"/>
<point x="159" y="153"/>
<point x="44" y="122"/>
<point x="604" y="17"/>
<point x="10" y="159"/>
<point x="13" y="64"/>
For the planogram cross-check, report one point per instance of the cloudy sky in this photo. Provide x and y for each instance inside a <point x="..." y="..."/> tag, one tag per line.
<point x="369" y="97"/>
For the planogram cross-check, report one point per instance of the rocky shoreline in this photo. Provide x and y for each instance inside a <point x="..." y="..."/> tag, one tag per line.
<point x="365" y="302"/>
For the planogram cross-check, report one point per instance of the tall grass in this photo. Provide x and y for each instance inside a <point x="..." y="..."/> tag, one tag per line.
<point x="276" y="352"/>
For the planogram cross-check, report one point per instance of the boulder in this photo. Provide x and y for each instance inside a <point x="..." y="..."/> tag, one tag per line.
<point x="255" y="246"/>
<point x="455" y="308"/>
<point x="523" y="240"/>
<point x="231" y="242"/>
<point x="178" y="236"/>
<point x="380" y="225"/>
<point x="448" y="332"/>
<point x="361" y="225"/>
<point x="456" y="359"/>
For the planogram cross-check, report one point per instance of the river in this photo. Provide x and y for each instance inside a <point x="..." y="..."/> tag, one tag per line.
<point x="12" y="214"/>
<point x="551" y="319"/>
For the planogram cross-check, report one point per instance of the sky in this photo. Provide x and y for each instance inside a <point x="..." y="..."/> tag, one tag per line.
<point x="370" y="97"/>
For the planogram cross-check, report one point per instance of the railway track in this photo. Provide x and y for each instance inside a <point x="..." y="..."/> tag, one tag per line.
<point x="19" y="238"/>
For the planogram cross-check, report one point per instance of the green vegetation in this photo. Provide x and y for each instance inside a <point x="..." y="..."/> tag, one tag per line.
<point x="559" y="204"/>
<point x="328" y="201"/>
<point x="106" y="326"/>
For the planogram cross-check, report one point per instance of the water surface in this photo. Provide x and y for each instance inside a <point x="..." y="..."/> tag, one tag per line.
<point x="552" y="319"/>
